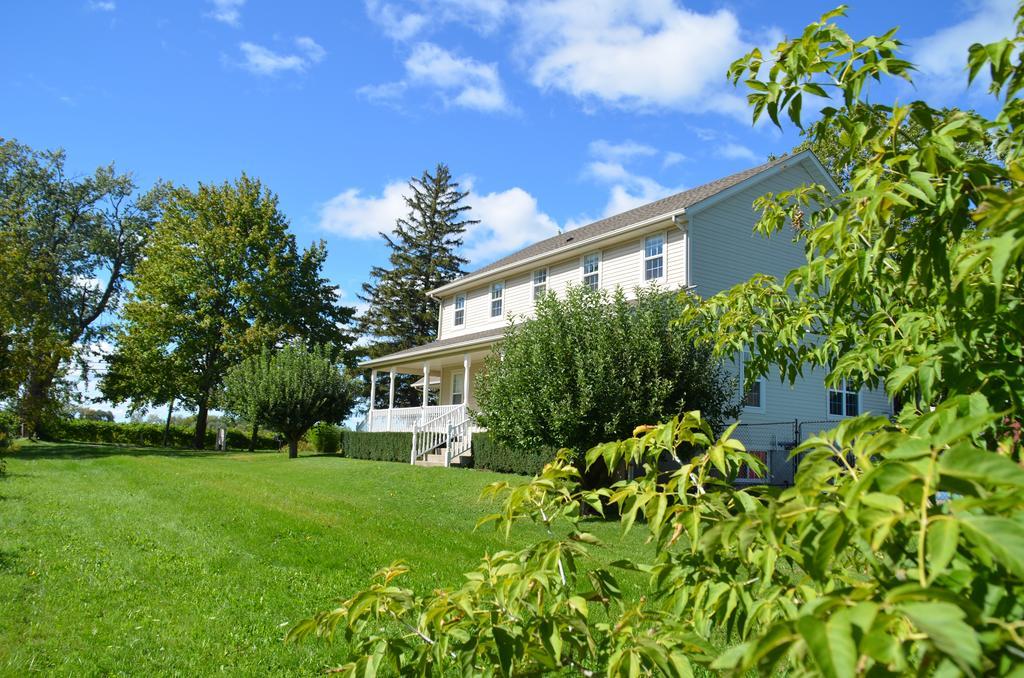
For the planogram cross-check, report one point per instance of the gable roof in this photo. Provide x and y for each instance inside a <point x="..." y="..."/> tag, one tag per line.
<point x="663" y="207"/>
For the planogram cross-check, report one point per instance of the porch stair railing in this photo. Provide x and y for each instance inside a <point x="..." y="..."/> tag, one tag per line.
<point x="448" y="432"/>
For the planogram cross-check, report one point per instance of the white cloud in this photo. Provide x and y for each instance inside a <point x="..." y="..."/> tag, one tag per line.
<point x="673" y="158"/>
<point x="353" y="215"/>
<point x="509" y="219"/>
<point x="263" y="61"/>
<point x="634" y="54"/>
<point x="406" y="20"/>
<point x="226" y="11"/>
<point x="622" y="151"/>
<point x="942" y="56"/>
<point x="102" y="5"/>
<point x="461" y="81"/>
<point x="734" y="151"/>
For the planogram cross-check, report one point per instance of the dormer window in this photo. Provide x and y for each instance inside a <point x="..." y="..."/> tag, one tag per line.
<point x="497" y="298"/>
<point x="592" y="270"/>
<point x="540" y="283"/>
<point x="460" y="310"/>
<point x="654" y="257"/>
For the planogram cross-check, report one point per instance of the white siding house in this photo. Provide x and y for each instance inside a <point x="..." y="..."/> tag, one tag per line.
<point x="701" y="239"/>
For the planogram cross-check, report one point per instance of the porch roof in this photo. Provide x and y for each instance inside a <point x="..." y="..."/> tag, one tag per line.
<point x="439" y="348"/>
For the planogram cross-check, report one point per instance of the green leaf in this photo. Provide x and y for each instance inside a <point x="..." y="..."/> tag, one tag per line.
<point x="1002" y="537"/>
<point x="941" y="539"/>
<point x="988" y="468"/>
<point x="830" y="645"/>
<point x="506" y="645"/>
<point x="945" y="626"/>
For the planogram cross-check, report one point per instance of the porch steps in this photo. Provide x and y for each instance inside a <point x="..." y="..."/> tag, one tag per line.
<point x="437" y="459"/>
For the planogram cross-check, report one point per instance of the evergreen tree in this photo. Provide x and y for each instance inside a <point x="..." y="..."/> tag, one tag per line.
<point x="424" y="255"/>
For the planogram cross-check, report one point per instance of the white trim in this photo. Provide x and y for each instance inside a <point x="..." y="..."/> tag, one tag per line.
<point x="844" y="389"/>
<point x="762" y="391"/>
<point x="491" y="299"/>
<point x="598" y="272"/>
<point x="644" y="258"/>
<point x="534" y="284"/>
<point x="408" y="357"/>
<point x="458" y="379"/>
<point x="456" y="309"/>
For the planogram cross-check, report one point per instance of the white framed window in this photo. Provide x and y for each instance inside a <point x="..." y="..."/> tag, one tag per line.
<point x="457" y="383"/>
<point x="540" y="283"/>
<point x="497" y="298"/>
<point x="592" y="270"/>
<point x="654" y="257"/>
<point x="460" y="310"/>
<point x="751" y="390"/>
<point x="843" y="400"/>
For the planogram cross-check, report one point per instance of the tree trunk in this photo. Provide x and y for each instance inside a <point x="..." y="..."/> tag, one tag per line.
<point x="200" y="440"/>
<point x="252" y="440"/>
<point x="293" y="448"/>
<point x="167" y="426"/>
<point x="37" y="395"/>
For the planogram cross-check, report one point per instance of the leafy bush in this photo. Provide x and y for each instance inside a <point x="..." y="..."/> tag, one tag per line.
<point x="590" y="366"/>
<point x="325" y="438"/>
<point x="900" y="548"/>
<point x="144" y="435"/>
<point x="379" y="446"/>
<point x="8" y="428"/>
<point x="493" y="456"/>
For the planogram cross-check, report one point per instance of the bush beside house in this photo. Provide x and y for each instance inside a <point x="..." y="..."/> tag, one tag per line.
<point x="490" y="455"/>
<point x="378" y="446"/>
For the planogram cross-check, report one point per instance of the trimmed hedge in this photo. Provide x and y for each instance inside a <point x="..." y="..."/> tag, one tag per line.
<point x="489" y="455"/>
<point x="325" y="438"/>
<point x="376" y="445"/>
<point x="145" y="435"/>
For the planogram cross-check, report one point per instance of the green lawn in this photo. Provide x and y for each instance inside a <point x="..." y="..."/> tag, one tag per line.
<point x="121" y="561"/>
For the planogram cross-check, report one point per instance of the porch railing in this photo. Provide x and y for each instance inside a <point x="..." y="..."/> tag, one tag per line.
<point x="405" y="418"/>
<point x="449" y="429"/>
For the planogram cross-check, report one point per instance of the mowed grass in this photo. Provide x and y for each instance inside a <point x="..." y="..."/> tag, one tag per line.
<point x="123" y="561"/>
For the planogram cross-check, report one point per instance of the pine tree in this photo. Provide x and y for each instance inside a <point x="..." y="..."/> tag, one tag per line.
<point x="424" y="255"/>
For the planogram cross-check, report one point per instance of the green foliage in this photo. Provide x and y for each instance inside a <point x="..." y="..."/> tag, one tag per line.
<point x="67" y="242"/>
<point x="590" y="366"/>
<point x="492" y="456"/>
<point x="900" y="548"/>
<point x="221" y="280"/>
<point x="9" y="428"/>
<point x="325" y="438"/>
<point x="377" y="445"/>
<point x="145" y="435"/>
<point x="424" y="255"/>
<point x="292" y="389"/>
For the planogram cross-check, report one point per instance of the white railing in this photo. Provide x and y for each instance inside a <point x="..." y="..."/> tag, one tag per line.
<point x="448" y="429"/>
<point x="406" y="418"/>
<point x="459" y="441"/>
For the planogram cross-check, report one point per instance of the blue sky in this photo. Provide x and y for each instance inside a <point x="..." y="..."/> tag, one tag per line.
<point x="552" y="112"/>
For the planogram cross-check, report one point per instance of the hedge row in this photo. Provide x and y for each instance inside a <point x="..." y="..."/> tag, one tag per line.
<point x="146" y="435"/>
<point x="378" y="446"/>
<point x="491" y="456"/>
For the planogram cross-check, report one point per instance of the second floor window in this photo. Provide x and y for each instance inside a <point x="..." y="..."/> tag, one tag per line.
<point x="753" y="389"/>
<point x="460" y="310"/>
<point x="843" y="400"/>
<point x="592" y="270"/>
<point x="497" y="296"/>
<point x="540" y="283"/>
<point x="654" y="257"/>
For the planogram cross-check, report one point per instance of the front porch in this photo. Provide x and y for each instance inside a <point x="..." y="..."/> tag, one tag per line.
<point x="441" y="425"/>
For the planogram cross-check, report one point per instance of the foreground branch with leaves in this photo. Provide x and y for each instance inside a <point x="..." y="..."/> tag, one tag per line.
<point x="900" y="547"/>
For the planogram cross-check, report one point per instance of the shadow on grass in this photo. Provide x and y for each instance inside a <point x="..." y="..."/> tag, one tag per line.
<point x="44" y="450"/>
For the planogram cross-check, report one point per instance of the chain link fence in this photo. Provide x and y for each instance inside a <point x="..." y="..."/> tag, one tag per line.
<point x="771" y="443"/>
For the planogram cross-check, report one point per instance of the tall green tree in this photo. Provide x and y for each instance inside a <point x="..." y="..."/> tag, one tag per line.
<point x="67" y="244"/>
<point x="424" y="255"/>
<point x="292" y="389"/>
<point x="220" y="280"/>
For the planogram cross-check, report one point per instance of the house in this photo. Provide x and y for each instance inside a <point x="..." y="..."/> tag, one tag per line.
<point x="701" y="239"/>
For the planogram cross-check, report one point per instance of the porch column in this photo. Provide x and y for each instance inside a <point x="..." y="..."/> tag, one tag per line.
<point x="373" y="397"/>
<point x="426" y="386"/>
<point x="391" y="394"/>
<point x="465" y="379"/>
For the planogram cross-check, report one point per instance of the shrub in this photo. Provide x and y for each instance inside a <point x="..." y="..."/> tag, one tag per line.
<point x="379" y="446"/>
<point x="8" y="428"/>
<point x="143" y="434"/>
<point x="325" y="438"/>
<point x="490" y="455"/>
